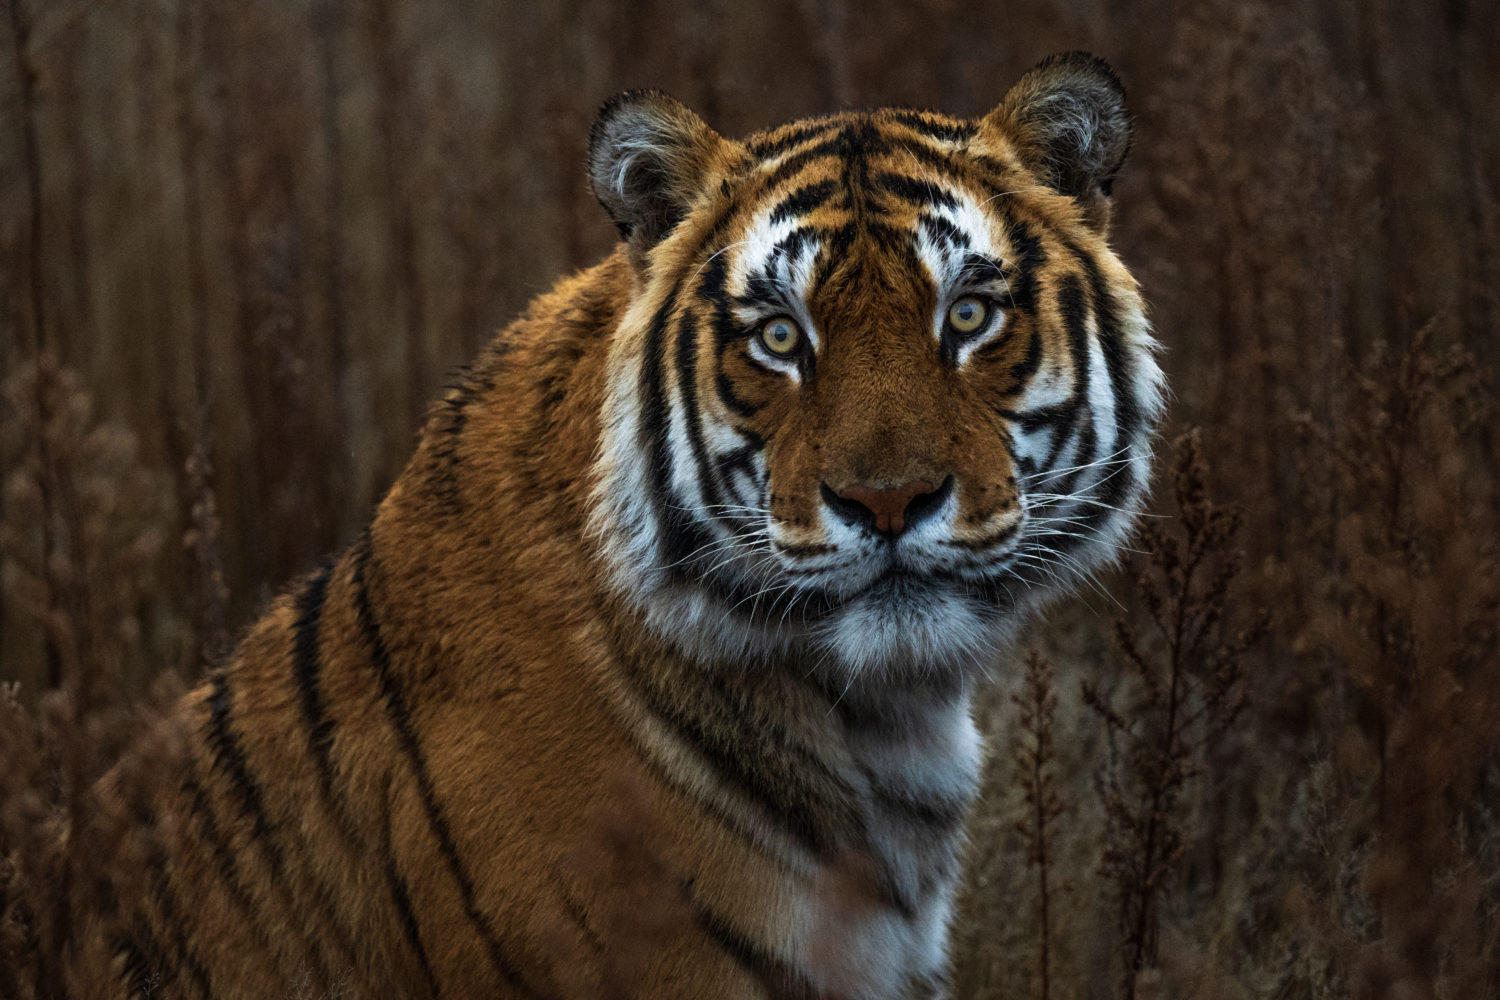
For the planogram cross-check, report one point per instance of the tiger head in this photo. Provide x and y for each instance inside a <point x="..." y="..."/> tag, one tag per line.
<point x="882" y="384"/>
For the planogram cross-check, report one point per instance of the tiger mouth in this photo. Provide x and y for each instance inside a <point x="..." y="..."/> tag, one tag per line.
<point x="897" y="583"/>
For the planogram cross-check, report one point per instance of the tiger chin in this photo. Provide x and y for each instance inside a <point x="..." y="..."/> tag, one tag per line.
<point x="651" y="675"/>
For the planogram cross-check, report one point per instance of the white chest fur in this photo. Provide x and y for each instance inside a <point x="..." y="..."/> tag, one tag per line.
<point x="850" y="942"/>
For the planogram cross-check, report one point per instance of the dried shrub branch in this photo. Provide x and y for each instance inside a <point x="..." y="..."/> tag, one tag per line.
<point x="78" y="546"/>
<point x="82" y="530"/>
<point x="1184" y="690"/>
<point x="1033" y="750"/>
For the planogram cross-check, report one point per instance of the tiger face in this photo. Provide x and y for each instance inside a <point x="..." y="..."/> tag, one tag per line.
<point x="882" y="387"/>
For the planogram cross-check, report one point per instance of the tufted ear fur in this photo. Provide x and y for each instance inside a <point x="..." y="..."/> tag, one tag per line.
<point x="1068" y="118"/>
<point x="649" y="157"/>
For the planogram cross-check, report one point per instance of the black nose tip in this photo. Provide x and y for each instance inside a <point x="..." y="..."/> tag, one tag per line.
<point x="924" y="505"/>
<point x="887" y="512"/>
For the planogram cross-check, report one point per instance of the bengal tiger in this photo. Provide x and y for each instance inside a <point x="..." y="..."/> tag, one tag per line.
<point x="651" y="676"/>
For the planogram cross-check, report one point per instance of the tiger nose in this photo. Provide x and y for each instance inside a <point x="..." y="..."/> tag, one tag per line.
<point x="887" y="511"/>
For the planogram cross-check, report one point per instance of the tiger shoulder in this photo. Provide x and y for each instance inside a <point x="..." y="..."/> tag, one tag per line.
<point x="651" y="676"/>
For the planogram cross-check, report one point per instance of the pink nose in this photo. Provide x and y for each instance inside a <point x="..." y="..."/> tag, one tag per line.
<point x="888" y="506"/>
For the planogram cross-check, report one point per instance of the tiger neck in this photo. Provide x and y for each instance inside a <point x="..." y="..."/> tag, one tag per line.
<point x="861" y="767"/>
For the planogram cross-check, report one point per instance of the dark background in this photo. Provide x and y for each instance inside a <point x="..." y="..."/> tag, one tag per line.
<point x="241" y="244"/>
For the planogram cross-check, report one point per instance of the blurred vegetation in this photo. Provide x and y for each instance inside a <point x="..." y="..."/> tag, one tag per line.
<point x="241" y="244"/>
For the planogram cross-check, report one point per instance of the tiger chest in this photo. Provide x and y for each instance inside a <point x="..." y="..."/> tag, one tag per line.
<point x="873" y="923"/>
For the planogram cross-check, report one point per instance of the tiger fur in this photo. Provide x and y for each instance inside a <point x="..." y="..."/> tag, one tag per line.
<point x="651" y="675"/>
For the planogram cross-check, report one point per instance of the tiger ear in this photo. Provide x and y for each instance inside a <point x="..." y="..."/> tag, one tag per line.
<point x="649" y="156"/>
<point x="1068" y="119"/>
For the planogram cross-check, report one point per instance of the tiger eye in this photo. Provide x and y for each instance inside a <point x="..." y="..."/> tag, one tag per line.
<point x="968" y="314"/>
<point x="781" y="335"/>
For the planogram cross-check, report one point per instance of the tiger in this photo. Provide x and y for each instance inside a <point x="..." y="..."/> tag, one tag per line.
<point x="652" y="674"/>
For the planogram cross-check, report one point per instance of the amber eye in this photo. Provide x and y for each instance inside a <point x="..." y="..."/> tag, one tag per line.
<point x="781" y="335"/>
<point x="968" y="314"/>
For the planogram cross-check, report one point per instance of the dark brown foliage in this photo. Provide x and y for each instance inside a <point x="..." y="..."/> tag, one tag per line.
<point x="80" y="540"/>
<point x="1184" y="690"/>
<point x="239" y="244"/>
<point x="1409" y="624"/>
<point x="1033" y="748"/>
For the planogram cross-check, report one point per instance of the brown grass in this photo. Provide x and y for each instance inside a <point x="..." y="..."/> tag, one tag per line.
<point x="240" y="244"/>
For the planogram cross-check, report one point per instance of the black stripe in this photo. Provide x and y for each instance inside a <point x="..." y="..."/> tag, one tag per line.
<point x="575" y="910"/>
<point x="307" y="672"/>
<point x="766" y="287"/>
<point x="988" y="542"/>
<point x="306" y="669"/>
<point x="229" y="757"/>
<point x="1043" y="417"/>
<point x="776" y="790"/>
<point x="949" y="168"/>
<point x="687" y="388"/>
<point x="1129" y="417"/>
<point x="401" y="894"/>
<point x="400" y="718"/>
<point x="736" y="824"/>
<point x="1022" y="371"/>
<point x="784" y="139"/>
<point x="852" y="143"/>
<point x="803" y="200"/>
<point x="779" y="979"/>
<point x="1062" y="418"/>
<point x="445" y="428"/>
<point x="741" y="460"/>
<point x="730" y="398"/>
<point x="1116" y="480"/>
<point x="187" y="957"/>
<point x="223" y="860"/>
<point x="401" y="900"/>
<point x="798" y="161"/>
<point x="916" y="190"/>
<point x="202" y="809"/>
<point x="554" y="389"/>
<point x="713" y="475"/>
<point x="995" y="168"/>
<point x="945" y="815"/>
<point x="859" y="142"/>
<point x="944" y="233"/>
<point x="1024" y="262"/>
<point x="1073" y="307"/>
<point x="835" y="246"/>
<point x="681" y="536"/>
<point x="895" y="241"/>
<point x="789" y="248"/>
<point x="935" y="127"/>
<point x="980" y="268"/>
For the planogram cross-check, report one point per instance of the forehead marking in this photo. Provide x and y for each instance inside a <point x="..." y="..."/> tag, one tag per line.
<point x="949" y="236"/>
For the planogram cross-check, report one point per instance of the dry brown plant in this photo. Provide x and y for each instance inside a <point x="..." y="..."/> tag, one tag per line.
<point x="1184" y="691"/>
<point x="1409" y="624"/>
<point x="1033" y="750"/>
<point x="82" y="530"/>
<point x="79" y="545"/>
